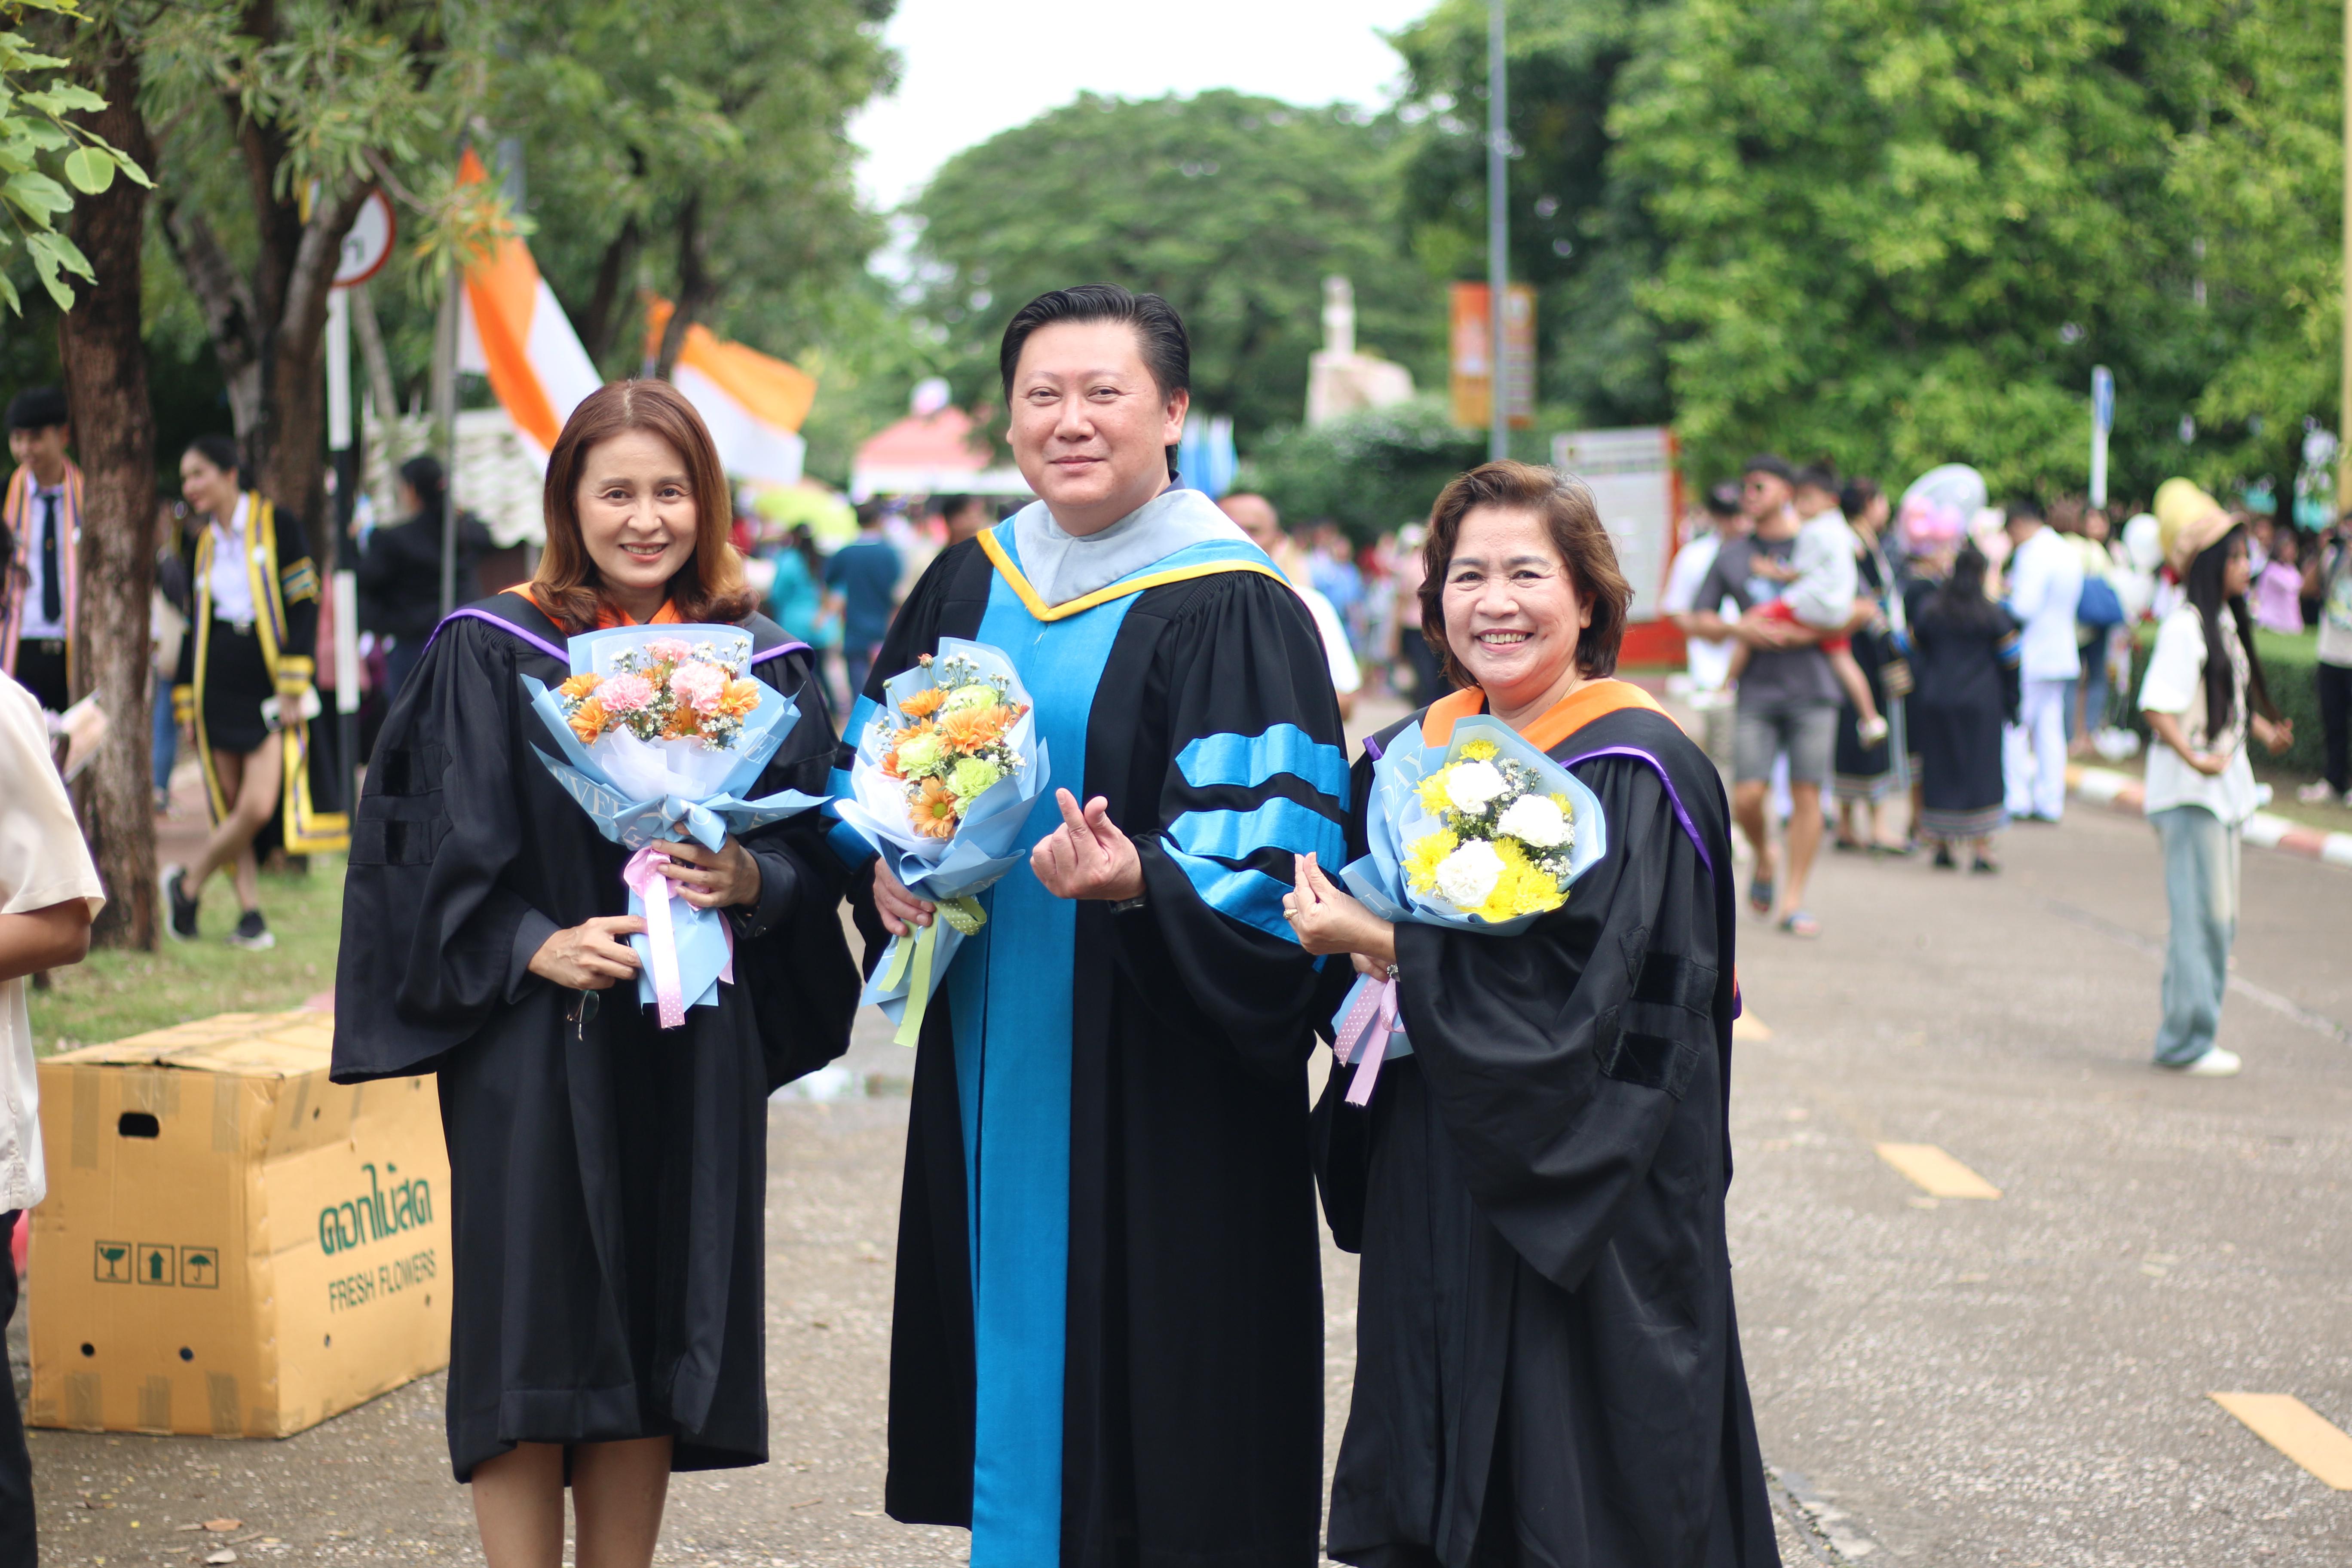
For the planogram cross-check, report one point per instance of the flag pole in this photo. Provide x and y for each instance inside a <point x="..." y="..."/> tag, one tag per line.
<point x="1499" y="238"/>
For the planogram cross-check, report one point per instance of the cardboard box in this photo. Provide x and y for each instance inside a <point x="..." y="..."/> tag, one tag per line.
<point x="232" y="1246"/>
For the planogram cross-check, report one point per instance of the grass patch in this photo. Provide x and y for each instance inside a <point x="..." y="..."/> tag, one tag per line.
<point x="117" y="993"/>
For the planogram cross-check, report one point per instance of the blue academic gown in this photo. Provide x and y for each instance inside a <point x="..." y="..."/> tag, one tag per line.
<point x="1108" y="1338"/>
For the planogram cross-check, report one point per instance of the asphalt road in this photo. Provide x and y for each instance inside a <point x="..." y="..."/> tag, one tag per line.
<point x="2016" y="1381"/>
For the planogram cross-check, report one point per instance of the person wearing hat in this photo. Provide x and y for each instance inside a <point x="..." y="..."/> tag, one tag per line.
<point x="2203" y="695"/>
<point x="40" y="524"/>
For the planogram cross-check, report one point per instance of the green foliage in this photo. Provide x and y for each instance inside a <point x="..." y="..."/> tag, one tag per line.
<point x="1369" y="471"/>
<point x="35" y="129"/>
<point x="1900" y="232"/>
<point x="1233" y="207"/>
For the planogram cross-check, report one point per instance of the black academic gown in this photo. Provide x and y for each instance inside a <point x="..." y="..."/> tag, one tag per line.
<point x="608" y="1178"/>
<point x="1193" y="1363"/>
<point x="1548" y="1366"/>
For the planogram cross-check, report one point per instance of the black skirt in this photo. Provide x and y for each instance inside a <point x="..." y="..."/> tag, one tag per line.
<point x="236" y="684"/>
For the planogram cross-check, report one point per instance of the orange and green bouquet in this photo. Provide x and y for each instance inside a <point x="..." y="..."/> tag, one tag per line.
<point x="955" y="744"/>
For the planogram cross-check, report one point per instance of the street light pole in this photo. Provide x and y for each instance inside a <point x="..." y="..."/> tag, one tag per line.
<point x="1498" y="238"/>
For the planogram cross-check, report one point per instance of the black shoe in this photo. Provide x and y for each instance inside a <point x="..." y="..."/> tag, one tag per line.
<point x="252" y="933"/>
<point x="179" y="910"/>
<point x="1944" y="861"/>
<point x="1986" y="866"/>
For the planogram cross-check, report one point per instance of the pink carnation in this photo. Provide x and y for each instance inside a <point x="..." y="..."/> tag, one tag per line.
<point x="626" y="694"/>
<point x="698" y="686"/>
<point x="670" y="651"/>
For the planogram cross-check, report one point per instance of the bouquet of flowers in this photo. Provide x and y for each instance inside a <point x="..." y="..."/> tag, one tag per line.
<point x="659" y="730"/>
<point x="945" y="774"/>
<point x="1484" y="834"/>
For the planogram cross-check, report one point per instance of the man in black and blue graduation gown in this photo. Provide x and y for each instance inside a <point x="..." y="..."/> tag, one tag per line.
<point x="1108" y="1346"/>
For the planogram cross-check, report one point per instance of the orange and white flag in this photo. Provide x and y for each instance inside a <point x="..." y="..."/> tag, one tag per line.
<point x="512" y="330"/>
<point x="753" y="403"/>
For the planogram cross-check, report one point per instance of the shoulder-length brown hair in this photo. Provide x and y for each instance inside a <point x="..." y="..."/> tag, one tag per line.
<point x="1574" y="524"/>
<point x="709" y="586"/>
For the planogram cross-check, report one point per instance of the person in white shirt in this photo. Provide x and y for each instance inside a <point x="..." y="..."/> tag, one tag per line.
<point x="2203" y="696"/>
<point x="49" y="892"/>
<point x="40" y="533"/>
<point x="2045" y="581"/>
<point x="1255" y="516"/>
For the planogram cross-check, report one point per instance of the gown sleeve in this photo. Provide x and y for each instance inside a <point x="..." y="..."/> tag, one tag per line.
<point x="794" y="958"/>
<point x="1557" y="1058"/>
<point x="297" y="590"/>
<point x="1255" y="772"/>
<point x="430" y="920"/>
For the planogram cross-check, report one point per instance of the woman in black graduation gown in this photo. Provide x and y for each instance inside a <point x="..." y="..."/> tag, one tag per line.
<point x="1548" y="1367"/>
<point x="608" y="1176"/>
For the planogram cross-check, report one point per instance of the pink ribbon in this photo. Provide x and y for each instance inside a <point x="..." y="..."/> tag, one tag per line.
<point x="642" y="874"/>
<point x="1369" y="1025"/>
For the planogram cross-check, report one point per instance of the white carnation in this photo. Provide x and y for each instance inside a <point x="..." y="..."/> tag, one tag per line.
<point x="1472" y="786"/>
<point x="1535" y="821"/>
<point x="1467" y="877"/>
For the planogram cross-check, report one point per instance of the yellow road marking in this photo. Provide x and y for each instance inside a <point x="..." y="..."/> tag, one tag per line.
<point x="1938" y="1173"/>
<point x="2296" y="1430"/>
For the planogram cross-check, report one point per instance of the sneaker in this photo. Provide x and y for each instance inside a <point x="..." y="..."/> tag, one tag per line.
<point x="252" y="933"/>
<point x="2318" y="794"/>
<point x="2214" y="1063"/>
<point x="179" y="910"/>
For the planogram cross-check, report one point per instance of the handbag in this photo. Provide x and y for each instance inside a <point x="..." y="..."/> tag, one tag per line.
<point x="2100" y="607"/>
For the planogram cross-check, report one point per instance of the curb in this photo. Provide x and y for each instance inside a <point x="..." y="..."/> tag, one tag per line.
<point x="2121" y="792"/>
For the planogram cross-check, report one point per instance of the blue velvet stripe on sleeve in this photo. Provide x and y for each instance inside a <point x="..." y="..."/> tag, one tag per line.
<point x="1280" y="823"/>
<point x="1252" y="898"/>
<point x="1250" y="760"/>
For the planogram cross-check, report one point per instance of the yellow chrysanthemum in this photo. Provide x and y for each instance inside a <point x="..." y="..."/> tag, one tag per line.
<point x="1478" y="751"/>
<point x="1432" y="792"/>
<point x="1524" y="888"/>
<point x="1566" y="805"/>
<point x="1424" y="854"/>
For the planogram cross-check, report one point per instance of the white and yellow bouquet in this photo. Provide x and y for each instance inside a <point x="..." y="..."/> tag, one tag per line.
<point x="1484" y="833"/>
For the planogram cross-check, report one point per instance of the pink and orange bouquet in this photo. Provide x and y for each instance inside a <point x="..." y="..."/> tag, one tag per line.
<point x="671" y="688"/>
<point x="956" y="745"/>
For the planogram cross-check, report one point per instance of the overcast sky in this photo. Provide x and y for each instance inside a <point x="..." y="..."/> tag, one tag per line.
<point x="973" y="68"/>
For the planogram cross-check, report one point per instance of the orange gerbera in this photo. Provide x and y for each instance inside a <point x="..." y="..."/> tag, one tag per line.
<point x="935" y="811"/>
<point x="588" y="722"/>
<point x="740" y="698"/>
<point x="582" y="684"/>
<point x="923" y="703"/>
<point x="975" y="727"/>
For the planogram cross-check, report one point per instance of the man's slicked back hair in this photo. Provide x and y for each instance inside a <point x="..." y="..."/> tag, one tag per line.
<point x="1160" y="334"/>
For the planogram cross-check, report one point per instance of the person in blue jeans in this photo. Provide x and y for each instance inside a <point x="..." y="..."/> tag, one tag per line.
<point x="862" y="579"/>
<point x="2203" y="696"/>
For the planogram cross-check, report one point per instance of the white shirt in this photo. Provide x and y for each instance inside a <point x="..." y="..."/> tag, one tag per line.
<point x="1346" y="674"/>
<point x="43" y="862"/>
<point x="1827" y="578"/>
<point x="1709" y="657"/>
<point x="2174" y="684"/>
<point x="36" y="520"/>
<point x="232" y="590"/>
<point x="2045" y="581"/>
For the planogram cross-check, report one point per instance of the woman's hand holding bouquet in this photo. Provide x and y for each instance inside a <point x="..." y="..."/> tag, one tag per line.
<point x="945" y="774"/>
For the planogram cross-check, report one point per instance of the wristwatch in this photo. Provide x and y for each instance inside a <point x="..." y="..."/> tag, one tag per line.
<point x="1125" y="905"/>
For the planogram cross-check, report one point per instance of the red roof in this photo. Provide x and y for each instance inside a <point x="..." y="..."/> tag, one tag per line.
<point x="947" y="439"/>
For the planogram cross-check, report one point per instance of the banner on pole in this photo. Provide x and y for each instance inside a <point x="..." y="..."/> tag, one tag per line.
<point x="1470" y="334"/>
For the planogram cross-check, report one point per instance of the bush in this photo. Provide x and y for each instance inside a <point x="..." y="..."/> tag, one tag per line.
<point x="2290" y="667"/>
<point x="1370" y="471"/>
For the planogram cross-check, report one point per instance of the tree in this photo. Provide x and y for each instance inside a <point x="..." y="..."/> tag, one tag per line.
<point x="277" y="121"/>
<point x="1233" y="207"/>
<point x="1901" y="233"/>
<point x="712" y="137"/>
<point x="114" y="430"/>
<point x="1367" y="472"/>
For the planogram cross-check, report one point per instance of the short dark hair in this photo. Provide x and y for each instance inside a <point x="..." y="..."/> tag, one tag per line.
<point x="1855" y="498"/>
<point x="423" y="473"/>
<point x="1766" y="463"/>
<point x="870" y="513"/>
<point x="948" y="506"/>
<point x="1159" y="333"/>
<point x="1723" y="500"/>
<point x="1573" y="521"/>
<point x="220" y="452"/>
<point x="1815" y="476"/>
<point x="38" y="409"/>
<point x="2025" y="509"/>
